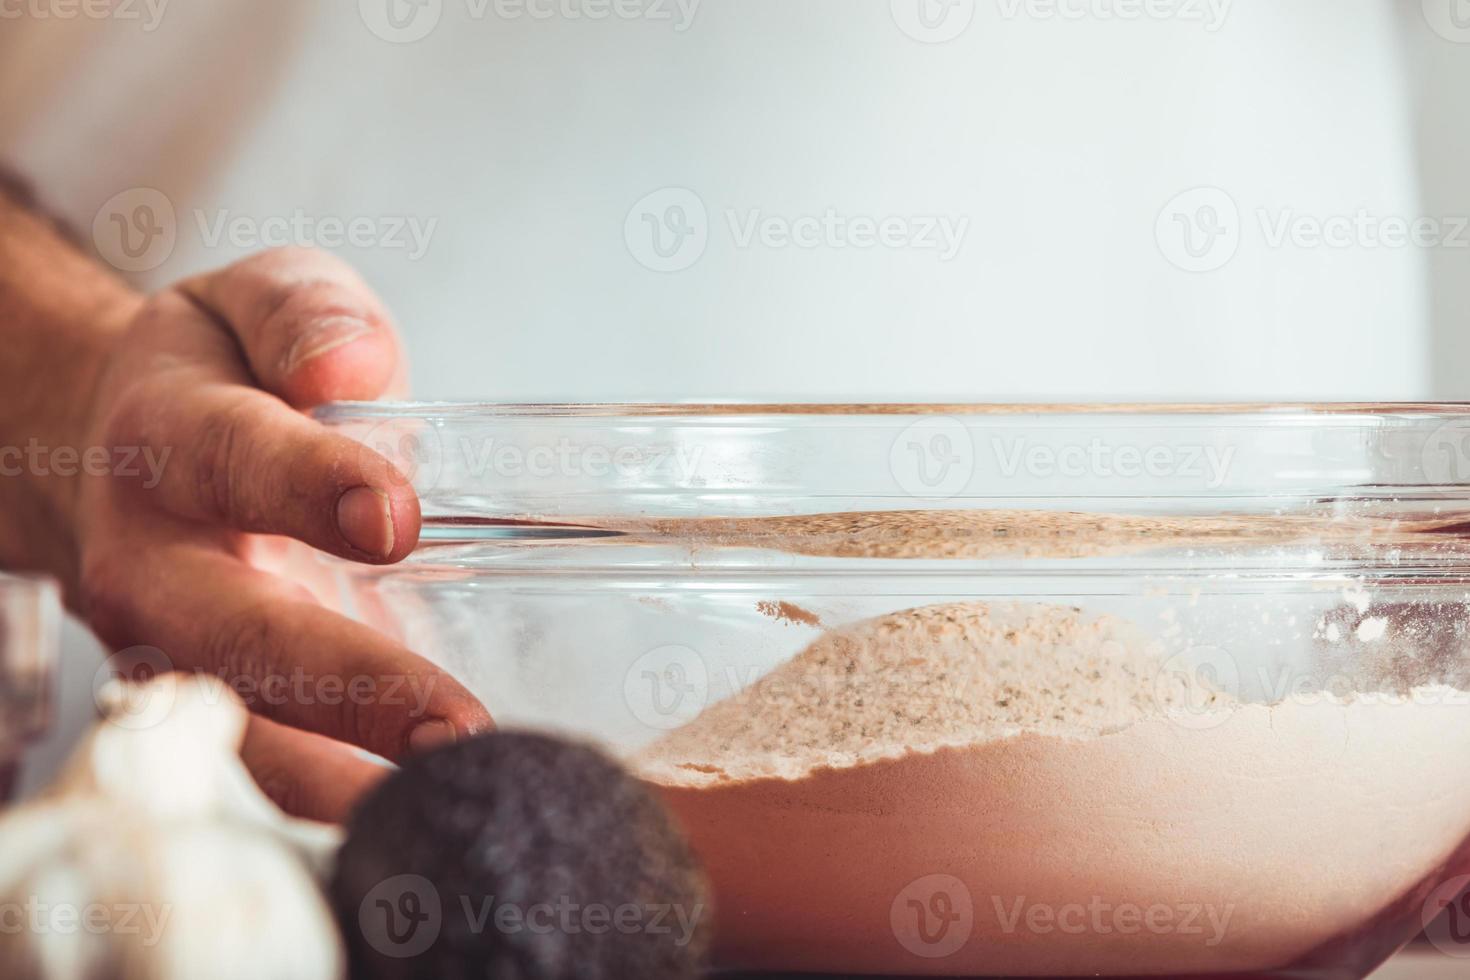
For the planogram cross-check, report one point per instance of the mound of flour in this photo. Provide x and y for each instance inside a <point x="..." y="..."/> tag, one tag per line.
<point x="922" y="679"/>
<point x="1079" y="811"/>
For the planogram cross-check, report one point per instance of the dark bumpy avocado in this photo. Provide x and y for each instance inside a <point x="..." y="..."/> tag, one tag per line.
<point x="518" y="857"/>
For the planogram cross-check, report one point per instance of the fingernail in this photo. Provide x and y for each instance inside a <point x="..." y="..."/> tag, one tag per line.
<point x="372" y="757"/>
<point x="324" y="335"/>
<point x="430" y="735"/>
<point x="365" y="519"/>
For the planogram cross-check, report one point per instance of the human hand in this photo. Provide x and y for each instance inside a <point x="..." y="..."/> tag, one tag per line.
<point x="207" y="381"/>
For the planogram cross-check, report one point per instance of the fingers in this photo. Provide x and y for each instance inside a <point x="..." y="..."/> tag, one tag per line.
<point x="310" y="328"/>
<point x="307" y="775"/>
<point x="289" y="659"/>
<point x="220" y="452"/>
<point x="258" y="466"/>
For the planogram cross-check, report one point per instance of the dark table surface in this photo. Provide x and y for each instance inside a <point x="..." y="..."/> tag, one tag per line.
<point x="1417" y="963"/>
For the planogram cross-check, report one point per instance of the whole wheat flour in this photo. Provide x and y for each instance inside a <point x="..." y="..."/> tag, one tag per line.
<point x="1018" y="789"/>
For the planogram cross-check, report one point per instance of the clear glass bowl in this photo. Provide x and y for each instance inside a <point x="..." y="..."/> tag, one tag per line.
<point x="969" y="690"/>
<point x="30" y="637"/>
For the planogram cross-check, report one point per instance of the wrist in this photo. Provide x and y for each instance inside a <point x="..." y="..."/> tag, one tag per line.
<point x="62" y="316"/>
<point x="80" y="429"/>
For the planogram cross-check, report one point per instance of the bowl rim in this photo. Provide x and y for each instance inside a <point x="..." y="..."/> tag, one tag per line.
<point x="345" y="410"/>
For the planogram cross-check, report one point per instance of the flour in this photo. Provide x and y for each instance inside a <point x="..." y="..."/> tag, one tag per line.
<point x="1009" y="533"/>
<point x="1084" y="812"/>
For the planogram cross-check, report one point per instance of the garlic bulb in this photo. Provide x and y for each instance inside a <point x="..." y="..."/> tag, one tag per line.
<point x="160" y="745"/>
<point x="154" y="856"/>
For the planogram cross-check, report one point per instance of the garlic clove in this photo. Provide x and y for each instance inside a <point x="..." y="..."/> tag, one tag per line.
<point x="35" y="831"/>
<point x="130" y="898"/>
<point x="156" y="741"/>
<point x="155" y="855"/>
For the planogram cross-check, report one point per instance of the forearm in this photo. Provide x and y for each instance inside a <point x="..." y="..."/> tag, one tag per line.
<point x="60" y="312"/>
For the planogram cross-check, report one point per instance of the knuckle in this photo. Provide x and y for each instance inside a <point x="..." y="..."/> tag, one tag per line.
<point x="286" y="256"/>
<point x="302" y="322"/>
<point x="367" y="724"/>
<point x="280" y="785"/>
<point x="104" y="598"/>
<point x="296" y="308"/>
<point x="222" y="464"/>
<point x="239" y="649"/>
<point x="131" y="419"/>
<point x="280" y="266"/>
